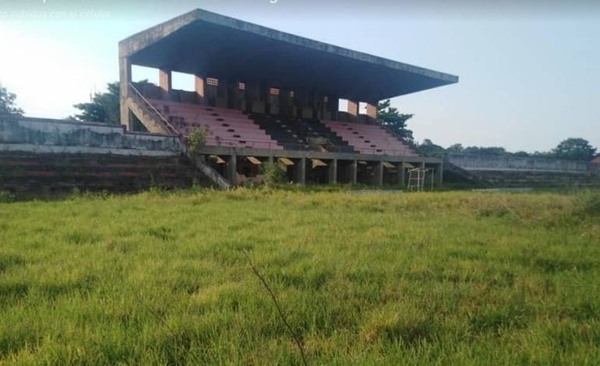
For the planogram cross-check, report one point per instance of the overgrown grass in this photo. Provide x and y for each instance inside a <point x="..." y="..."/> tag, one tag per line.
<point x="371" y="279"/>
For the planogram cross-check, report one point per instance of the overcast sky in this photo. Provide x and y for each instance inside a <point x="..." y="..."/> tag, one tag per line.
<point x="529" y="75"/>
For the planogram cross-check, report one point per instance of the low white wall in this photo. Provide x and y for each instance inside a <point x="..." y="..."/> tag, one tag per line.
<point x="513" y="163"/>
<point x="58" y="136"/>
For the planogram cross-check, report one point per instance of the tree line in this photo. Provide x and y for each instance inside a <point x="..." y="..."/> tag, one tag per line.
<point x="104" y="107"/>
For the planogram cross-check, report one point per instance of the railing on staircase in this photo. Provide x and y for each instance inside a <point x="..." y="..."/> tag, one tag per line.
<point x="155" y="111"/>
<point x="206" y="169"/>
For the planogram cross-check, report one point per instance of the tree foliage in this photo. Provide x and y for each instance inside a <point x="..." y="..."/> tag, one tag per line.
<point x="490" y="150"/>
<point x="104" y="107"/>
<point x="428" y="148"/>
<point x="7" y="103"/>
<point x="574" y="149"/>
<point x="569" y="149"/>
<point x="394" y="120"/>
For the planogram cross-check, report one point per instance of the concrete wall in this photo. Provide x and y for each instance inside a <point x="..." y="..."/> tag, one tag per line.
<point x="57" y="136"/>
<point x="512" y="163"/>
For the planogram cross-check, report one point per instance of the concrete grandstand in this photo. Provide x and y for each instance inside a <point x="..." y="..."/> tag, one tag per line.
<point x="264" y="95"/>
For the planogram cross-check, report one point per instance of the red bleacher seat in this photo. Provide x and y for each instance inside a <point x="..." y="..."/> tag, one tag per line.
<point x="370" y="139"/>
<point x="226" y="127"/>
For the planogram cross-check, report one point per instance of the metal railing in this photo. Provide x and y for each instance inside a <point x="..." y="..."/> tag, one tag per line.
<point x="154" y="110"/>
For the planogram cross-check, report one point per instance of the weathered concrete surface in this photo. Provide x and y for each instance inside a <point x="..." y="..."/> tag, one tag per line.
<point x="510" y="171"/>
<point x="512" y="163"/>
<point x="168" y="45"/>
<point x="33" y="173"/>
<point x="57" y="136"/>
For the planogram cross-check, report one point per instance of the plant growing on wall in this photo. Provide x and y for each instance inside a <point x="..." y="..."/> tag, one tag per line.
<point x="273" y="173"/>
<point x="197" y="139"/>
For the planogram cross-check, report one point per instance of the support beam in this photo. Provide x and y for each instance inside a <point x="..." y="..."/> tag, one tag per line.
<point x="199" y="85"/>
<point x="333" y="108"/>
<point x="223" y="94"/>
<point x="165" y="83"/>
<point x="354" y="172"/>
<point x="125" y="80"/>
<point x="372" y="110"/>
<point x="333" y="171"/>
<point x="440" y="173"/>
<point x="379" y="173"/>
<point x="402" y="175"/>
<point x="232" y="169"/>
<point x="353" y="107"/>
<point x="302" y="171"/>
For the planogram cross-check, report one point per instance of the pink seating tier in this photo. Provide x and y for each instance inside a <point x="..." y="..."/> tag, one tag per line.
<point x="226" y="127"/>
<point x="370" y="139"/>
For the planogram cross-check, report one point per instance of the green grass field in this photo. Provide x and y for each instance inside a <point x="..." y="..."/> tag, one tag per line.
<point x="453" y="278"/>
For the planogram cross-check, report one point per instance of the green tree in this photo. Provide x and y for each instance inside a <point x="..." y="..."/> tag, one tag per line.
<point x="104" y="107"/>
<point x="491" y="150"/>
<point x="7" y="103"/>
<point x="394" y="120"/>
<point x="574" y="149"/>
<point x="428" y="148"/>
<point x="456" y="148"/>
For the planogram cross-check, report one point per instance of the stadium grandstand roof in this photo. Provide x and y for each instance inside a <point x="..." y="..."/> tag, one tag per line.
<point x="213" y="45"/>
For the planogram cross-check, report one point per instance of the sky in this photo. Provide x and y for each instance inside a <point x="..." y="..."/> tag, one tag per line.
<point x="529" y="74"/>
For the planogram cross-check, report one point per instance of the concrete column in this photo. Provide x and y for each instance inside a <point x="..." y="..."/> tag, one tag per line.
<point x="254" y="98"/>
<point x="199" y="84"/>
<point x="379" y="173"/>
<point x="401" y="175"/>
<point x="222" y="97"/>
<point x="274" y="107"/>
<point x="125" y="79"/>
<point x="302" y="171"/>
<point x="372" y="110"/>
<point x="284" y="102"/>
<point x="306" y="103"/>
<point x="333" y="105"/>
<point x="333" y="171"/>
<point x="232" y="169"/>
<point x="165" y="83"/>
<point x="354" y="171"/>
<point x="440" y="173"/>
<point x="353" y="107"/>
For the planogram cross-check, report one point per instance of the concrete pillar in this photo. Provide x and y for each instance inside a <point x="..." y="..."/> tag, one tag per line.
<point x="165" y="83"/>
<point x="125" y="80"/>
<point x="240" y="97"/>
<point x="199" y="84"/>
<point x="401" y="175"/>
<point x="306" y="103"/>
<point x="379" y="173"/>
<point x="333" y="108"/>
<point x="440" y="173"/>
<point x="354" y="172"/>
<point x="302" y="171"/>
<point x="232" y="169"/>
<point x="333" y="171"/>
<point x="222" y="94"/>
<point x="274" y="107"/>
<point x="284" y="103"/>
<point x="254" y="98"/>
<point x="353" y="107"/>
<point x="372" y="110"/>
